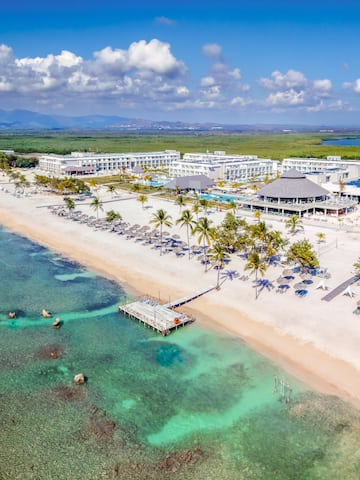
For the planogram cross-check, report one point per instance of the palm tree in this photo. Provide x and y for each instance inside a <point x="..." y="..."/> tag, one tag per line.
<point x="187" y="220"/>
<point x="218" y="255"/>
<point x="111" y="189"/>
<point x="302" y="253"/>
<point x="180" y="200"/>
<point x="92" y="183"/>
<point x="256" y="265"/>
<point x="254" y="187"/>
<point x="97" y="205"/>
<point x="204" y="203"/>
<point x="206" y="234"/>
<point x="196" y="209"/>
<point x="294" y="223"/>
<point x="257" y="215"/>
<point x="160" y="218"/>
<point x="232" y="205"/>
<point x="111" y="216"/>
<point x="357" y="267"/>
<point x="142" y="199"/>
<point x="135" y="187"/>
<point x="321" y="237"/>
<point x="69" y="203"/>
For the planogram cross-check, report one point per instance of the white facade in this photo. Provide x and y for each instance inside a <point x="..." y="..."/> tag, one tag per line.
<point x="218" y="166"/>
<point x="79" y="163"/>
<point x="333" y="165"/>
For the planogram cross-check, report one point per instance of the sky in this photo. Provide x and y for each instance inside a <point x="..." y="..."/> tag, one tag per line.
<point x="232" y="62"/>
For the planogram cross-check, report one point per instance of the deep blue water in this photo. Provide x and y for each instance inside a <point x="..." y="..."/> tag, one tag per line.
<point x="346" y="142"/>
<point x="194" y="405"/>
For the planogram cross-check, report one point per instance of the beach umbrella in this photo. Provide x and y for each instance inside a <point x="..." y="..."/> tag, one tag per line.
<point x="289" y="277"/>
<point x="284" y="286"/>
<point x="307" y="281"/>
<point x="305" y="276"/>
<point x="287" y="271"/>
<point x="176" y="236"/>
<point x="300" y="285"/>
<point x="280" y="280"/>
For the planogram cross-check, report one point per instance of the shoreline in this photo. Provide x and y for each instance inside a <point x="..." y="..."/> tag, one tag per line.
<point x="323" y="372"/>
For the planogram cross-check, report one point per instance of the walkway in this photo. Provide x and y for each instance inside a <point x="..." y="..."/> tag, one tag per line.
<point x="183" y="300"/>
<point x="340" y="288"/>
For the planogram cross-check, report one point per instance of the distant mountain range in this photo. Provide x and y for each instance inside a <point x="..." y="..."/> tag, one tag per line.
<point x="26" y="120"/>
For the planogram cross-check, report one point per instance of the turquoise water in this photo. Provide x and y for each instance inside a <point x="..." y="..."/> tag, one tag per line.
<point x="193" y="405"/>
<point x="355" y="183"/>
<point x="221" y="198"/>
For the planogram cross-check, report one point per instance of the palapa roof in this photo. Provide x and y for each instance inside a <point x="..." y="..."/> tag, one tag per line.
<point x="293" y="184"/>
<point x="190" y="182"/>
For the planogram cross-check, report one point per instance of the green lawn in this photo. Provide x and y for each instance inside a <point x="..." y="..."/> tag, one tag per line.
<point x="274" y="146"/>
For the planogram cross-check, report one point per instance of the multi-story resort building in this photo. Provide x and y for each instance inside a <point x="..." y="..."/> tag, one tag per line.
<point x="82" y="163"/>
<point x="220" y="166"/>
<point x="331" y="169"/>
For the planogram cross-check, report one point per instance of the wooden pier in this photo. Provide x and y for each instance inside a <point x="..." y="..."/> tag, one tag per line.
<point x="189" y="298"/>
<point x="162" y="318"/>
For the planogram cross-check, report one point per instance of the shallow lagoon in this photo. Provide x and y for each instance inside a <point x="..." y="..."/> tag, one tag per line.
<point x="193" y="405"/>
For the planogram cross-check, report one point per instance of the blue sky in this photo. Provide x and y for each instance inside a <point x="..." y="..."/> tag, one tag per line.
<point x="251" y="61"/>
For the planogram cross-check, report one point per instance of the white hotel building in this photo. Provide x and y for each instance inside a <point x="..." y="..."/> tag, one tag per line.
<point x="219" y="166"/>
<point x="82" y="163"/>
<point x="330" y="169"/>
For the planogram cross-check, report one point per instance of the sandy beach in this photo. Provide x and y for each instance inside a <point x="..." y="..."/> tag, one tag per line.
<point x="317" y="341"/>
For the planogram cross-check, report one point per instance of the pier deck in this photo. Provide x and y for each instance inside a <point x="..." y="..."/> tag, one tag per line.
<point x="162" y="318"/>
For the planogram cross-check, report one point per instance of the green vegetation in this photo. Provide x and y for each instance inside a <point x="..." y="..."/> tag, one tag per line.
<point x="274" y="146"/>
<point x="357" y="267"/>
<point x="62" y="185"/>
<point x="160" y="218"/>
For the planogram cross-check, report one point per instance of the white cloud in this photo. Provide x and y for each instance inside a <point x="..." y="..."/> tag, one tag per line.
<point x="221" y="83"/>
<point x="165" y="21"/>
<point x="290" y="80"/>
<point x="207" y="81"/>
<point x="212" y="50"/>
<point x="322" y="87"/>
<point x="141" y="72"/>
<point x="356" y="86"/>
<point x="293" y="89"/>
<point x="288" y="98"/>
<point x="154" y="56"/>
<point x="147" y="76"/>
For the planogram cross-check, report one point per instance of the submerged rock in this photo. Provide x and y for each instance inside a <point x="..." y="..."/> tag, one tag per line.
<point x="79" y="379"/>
<point x="57" y="323"/>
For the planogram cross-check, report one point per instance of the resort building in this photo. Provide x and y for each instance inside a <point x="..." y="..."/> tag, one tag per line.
<point x="294" y="194"/>
<point x="85" y="163"/>
<point x="220" y="166"/>
<point x="332" y="169"/>
<point x="197" y="183"/>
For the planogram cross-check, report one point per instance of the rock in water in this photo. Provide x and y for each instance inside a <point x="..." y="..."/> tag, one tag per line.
<point x="79" y="379"/>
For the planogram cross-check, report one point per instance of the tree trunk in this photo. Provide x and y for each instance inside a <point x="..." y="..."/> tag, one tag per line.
<point x="188" y="238"/>
<point x="256" y="284"/>
<point x="161" y="239"/>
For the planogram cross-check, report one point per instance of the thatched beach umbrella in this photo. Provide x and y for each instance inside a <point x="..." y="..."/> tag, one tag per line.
<point x="287" y="271"/>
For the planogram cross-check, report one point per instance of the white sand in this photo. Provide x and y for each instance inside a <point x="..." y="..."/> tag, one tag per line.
<point x="317" y="341"/>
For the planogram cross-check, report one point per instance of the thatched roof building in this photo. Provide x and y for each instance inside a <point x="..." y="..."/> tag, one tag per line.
<point x="190" y="182"/>
<point x="294" y="186"/>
